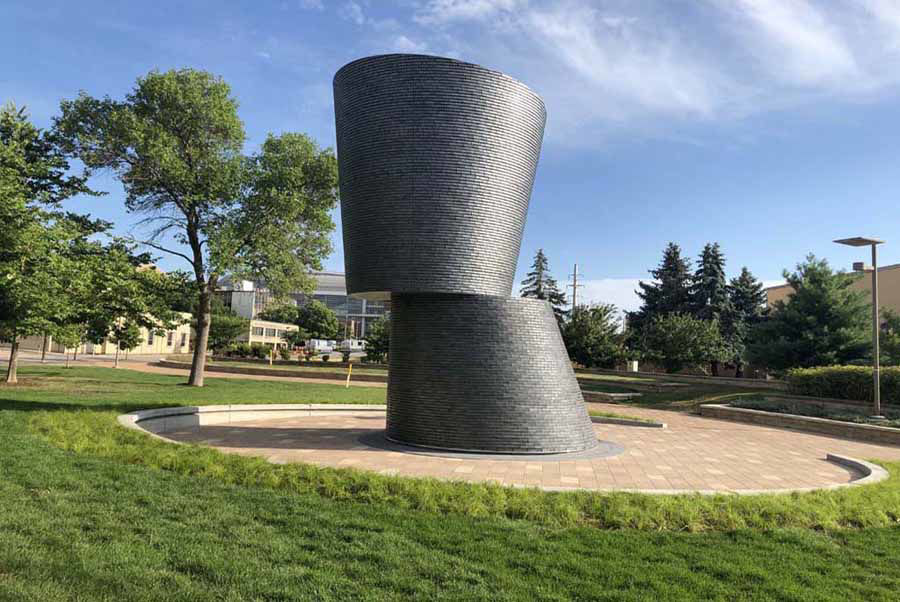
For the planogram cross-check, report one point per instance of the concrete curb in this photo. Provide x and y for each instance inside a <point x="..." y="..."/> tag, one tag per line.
<point x="628" y="422"/>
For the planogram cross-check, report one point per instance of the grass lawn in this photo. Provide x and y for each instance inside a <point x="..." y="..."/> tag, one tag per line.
<point x="91" y="511"/>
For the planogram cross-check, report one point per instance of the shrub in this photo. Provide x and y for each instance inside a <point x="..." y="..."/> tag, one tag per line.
<point x="284" y="353"/>
<point x="326" y="357"/>
<point x="240" y="350"/>
<point x="260" y="350"/>
<point x="844" y="382"/>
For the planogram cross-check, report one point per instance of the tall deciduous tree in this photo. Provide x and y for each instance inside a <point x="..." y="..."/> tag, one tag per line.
<point x="823" y="322"/>
<point x="540" y="284"/>
<point x="318" y="320"/>
<point x="668" y="292"/>
<point x="36" y="245"/>
<point x="593" y="337"/>
<point x="175" y="142"/>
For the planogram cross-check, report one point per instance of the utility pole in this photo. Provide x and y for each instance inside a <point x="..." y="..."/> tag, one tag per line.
<point x="574" y="286"/>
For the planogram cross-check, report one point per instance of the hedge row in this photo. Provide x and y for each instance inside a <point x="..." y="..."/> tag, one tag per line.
<point x="844" y="382"/>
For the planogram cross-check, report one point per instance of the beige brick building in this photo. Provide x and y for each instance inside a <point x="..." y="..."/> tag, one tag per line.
<point x="888" y="288"/>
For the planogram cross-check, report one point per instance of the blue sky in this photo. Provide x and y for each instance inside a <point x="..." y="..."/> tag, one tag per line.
<point x="770" y="126"/>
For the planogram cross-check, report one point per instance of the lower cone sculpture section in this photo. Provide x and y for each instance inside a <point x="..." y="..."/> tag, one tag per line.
<point x="482" y="373"/>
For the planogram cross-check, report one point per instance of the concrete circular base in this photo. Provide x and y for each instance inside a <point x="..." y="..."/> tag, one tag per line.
<point x="692" y="455"/>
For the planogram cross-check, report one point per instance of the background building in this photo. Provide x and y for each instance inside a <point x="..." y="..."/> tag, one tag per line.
<point x="888" y="288"/>
<point x="248" y="299"/>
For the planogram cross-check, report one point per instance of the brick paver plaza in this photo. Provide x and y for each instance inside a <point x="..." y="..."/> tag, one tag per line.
<point x="693" y="453"/>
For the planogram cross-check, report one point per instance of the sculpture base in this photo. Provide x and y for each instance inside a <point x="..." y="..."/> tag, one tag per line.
<point x="482" y="374"/>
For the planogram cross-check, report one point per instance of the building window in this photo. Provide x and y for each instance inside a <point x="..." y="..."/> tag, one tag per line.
<point x="149" y="337"/>
<point x="183" y="339"/>
<point x="170" y="338"/>
<point x="270" y="332"/>
<point x="258" y="331"/>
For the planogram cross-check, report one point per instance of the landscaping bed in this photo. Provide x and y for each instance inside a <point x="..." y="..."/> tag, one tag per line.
<point x="776" y="413"/>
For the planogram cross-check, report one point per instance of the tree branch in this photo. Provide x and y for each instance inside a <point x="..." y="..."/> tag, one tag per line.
<point x="161" y="248"/>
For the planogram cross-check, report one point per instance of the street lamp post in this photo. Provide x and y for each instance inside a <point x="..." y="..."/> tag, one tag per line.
<point x="859" y="266"/>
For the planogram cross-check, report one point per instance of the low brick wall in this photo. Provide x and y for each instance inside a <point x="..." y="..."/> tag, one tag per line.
<point x="848" y="430"/>
<point x="314" y="364"/>
<point x="751" y="383"/>
<point x="317" y="373"/>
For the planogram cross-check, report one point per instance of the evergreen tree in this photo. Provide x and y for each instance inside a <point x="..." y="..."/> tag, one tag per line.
<point x="709" y="291"/>
<point x="539" y="284"/>
<point x="824" y="321"/>
<point x="669" y="292"/>
<point x="746" y="309"/>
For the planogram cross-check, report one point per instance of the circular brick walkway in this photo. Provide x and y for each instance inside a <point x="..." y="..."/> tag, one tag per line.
<point x="693" y="453"/>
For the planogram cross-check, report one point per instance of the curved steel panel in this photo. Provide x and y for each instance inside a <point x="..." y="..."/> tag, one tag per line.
<point x="482" y="373"/>
<point x="437" y="160"/>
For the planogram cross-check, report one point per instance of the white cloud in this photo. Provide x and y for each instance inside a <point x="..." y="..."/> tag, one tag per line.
<point x="403" y="44"/>
<point x="440" y="12"/>
<point x="622" y="64"/>
<point x="264" y="55"/>
<point x="312" y="4"/>
<point x="352" y="11"/>
<point x="795" y="42"/>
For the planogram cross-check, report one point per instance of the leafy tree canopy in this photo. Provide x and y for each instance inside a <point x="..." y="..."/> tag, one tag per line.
<point x="593" y="337"/>
<point x="175" y="142"/>
<point x="378" y="340"/>
<point x="318" y="320"/>
<point x="679" y="340"/>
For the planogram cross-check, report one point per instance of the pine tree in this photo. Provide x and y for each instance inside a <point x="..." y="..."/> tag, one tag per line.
<point x="747" y="308"/>
<point x="539" y="284"/>
<point x="669" y="292"/>
<point x="824" y="321"/>
<point x="709" y="292"/>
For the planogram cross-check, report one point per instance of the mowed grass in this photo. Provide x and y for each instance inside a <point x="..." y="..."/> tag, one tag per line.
<point x="127" y="517"/>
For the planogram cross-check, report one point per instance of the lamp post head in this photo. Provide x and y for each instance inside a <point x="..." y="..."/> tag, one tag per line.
<point x="859" y="241"/>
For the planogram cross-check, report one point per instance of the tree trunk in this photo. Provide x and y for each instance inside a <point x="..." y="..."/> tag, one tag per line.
<point x="66" y="353"/>
<point x="116" y="362"/>
<point x="202" y="318"/>
<point x="75" y="353"/>
<point x="714" y="368"/>
<point x="44" y="349"/>
<point x="13" y="362"/>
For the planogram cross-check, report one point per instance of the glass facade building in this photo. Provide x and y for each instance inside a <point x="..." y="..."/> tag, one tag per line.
<point x="248" y="299"/>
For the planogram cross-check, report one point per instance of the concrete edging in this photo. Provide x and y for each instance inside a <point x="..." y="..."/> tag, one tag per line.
<point x="628" y="422"/>
<point x="163" y="420"/>
<point x="861" y="432"/>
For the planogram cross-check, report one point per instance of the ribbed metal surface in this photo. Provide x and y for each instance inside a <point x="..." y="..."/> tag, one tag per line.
<point x="437" y="160"/>
<point x="482" y="373"/>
